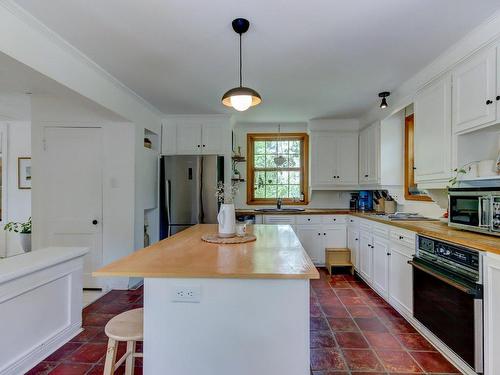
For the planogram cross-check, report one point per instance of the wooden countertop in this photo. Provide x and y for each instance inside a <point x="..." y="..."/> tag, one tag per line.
<point x="307" y="211"/>
<point x="442" y="231"/>
<point x="277" y="254"/>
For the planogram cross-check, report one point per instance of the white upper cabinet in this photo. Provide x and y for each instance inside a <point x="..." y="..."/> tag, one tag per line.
<point x="432" y="140"/>
<point x="474" y="91"/>
<point x="369" y="155"/>
<point x="334" y="159"/>
<point x="188" y="138"/>
<point x="196" y="135"/>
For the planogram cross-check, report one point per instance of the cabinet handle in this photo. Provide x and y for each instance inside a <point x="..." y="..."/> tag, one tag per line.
<point x="355" y="239"/>
<point x="319" y="234"/>
<point x="488" y="102"/>
<point x="308" y="219"/>
<point x="366" y="175"/>
<point x="401" y="237"/>
<point x="324" y="234"/>
<point x="203" y="145"/>
<point x="198" y="146"/>
<point x="498" y="97"/>
<point x="388" y="253"/>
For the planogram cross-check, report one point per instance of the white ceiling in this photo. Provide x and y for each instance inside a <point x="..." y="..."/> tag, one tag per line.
<point x="308" y="59"/>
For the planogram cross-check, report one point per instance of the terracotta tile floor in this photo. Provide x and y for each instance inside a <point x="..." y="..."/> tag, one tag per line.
<point x="353" y="331"/>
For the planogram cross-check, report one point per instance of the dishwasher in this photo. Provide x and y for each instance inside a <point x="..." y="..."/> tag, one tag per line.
<point x="448" y="296"/>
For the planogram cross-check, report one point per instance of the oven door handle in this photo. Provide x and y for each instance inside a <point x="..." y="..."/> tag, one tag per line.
<point x="443" y="278"/>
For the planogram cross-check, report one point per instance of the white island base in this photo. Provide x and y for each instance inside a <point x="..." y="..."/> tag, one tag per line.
<point x="240" y="326"/>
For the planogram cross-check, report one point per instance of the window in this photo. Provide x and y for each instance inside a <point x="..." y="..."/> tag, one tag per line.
<point x="277" y="168"/>
<point x="411" y="191"/>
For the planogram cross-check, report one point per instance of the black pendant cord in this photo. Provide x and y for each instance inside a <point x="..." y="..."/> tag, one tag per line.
<point x="241" y="66"/>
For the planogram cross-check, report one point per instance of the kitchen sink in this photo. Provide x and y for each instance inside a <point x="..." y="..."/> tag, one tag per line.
<point x="279" y="209"/>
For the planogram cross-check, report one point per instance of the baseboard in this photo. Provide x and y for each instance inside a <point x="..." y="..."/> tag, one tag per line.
<point x="39" y="353"/>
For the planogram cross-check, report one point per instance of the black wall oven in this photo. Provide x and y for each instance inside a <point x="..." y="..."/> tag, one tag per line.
<point x="448" y="296"/>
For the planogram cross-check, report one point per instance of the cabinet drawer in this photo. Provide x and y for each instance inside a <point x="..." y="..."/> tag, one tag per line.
<point x="381" y="231"/>
<point x="308" y="219"/>
<point x="279" y="219"/>
<point x="403" y="237"/>
<point x="334" y="219"/>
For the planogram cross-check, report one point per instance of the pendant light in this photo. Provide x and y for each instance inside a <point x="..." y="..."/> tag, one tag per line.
<point x="241" y="98"/>
<point x="384" y="95"/>
<point x="279" y="160"/>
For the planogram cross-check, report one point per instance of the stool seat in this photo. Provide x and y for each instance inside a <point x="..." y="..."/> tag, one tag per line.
<point x="127" y="326"/>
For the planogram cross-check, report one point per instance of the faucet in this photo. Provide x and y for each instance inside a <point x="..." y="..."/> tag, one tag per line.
<point x="279" y="203"/>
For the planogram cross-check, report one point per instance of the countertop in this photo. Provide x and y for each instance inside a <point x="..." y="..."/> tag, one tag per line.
<point x="307" y="211"/>
<point x="276" y="254"/>
<point x="435" y="229"/>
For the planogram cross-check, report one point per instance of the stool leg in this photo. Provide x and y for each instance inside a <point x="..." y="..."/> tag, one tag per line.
<point x="130" y="361"/>
<point x="110" y="357"/>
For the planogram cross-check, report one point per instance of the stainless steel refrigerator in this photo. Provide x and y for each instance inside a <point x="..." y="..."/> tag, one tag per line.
<point x="187" y="191"/>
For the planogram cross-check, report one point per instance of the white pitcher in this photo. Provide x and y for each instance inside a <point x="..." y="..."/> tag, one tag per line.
<point x="227" y="220"/>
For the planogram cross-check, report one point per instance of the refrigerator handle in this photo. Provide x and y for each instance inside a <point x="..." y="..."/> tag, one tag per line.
<point x="167" y="204"/>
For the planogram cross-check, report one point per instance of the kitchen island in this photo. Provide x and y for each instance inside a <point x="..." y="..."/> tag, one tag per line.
<point x="224" y="309"/>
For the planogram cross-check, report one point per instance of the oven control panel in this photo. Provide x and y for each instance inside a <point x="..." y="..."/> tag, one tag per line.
<point x="447" y="253"/>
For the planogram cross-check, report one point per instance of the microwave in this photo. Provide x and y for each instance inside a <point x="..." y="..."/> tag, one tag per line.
<point x="475" y="209"/>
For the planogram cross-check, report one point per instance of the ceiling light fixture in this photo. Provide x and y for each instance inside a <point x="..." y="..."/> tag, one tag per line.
<point x="384" y="95"/>
<point x="241" y="98"/>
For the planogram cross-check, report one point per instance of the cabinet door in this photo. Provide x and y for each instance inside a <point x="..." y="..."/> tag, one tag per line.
<point x="363" y="156"/>
<point x="353" y="245"/>
<point x="323" y="159"/>
<point x="474" y="86"/>
<point x="491" y="314"/>
<point x="401" y="278"/>
<point x="311" y="238"/>
<point x="213" y="139"/>
<point x="169" y="139"/>
<point x="380" y="265"/>
<point x="366" y="256"/>
<point x="335" y="236"/>
<point x="188" y="138"/>
<point x="347" y="159"/>
<point x="432" y="142"/>
<point x="373" y="153"/>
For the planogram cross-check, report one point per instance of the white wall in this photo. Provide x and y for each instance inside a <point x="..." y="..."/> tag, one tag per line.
<point x="318" y="199"/>
<point x="119" y="165"/>
<point x="18" y="200"/>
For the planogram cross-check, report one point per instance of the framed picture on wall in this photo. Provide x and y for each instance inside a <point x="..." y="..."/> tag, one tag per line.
<point x="24" y="173"/>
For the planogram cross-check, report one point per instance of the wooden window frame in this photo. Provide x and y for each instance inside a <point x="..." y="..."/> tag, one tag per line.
<point x="304" y="167"/>
<point x="410" y="161"/>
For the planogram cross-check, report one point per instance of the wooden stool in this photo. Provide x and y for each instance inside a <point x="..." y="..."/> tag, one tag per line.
<point x="338" y="258"/>
<point x="128" y="327"/>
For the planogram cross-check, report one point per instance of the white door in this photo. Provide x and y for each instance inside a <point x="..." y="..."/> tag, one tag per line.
<point x="335" y="236"/>
<point x="353" y="245"/>
<point x="347" y="159"/>
<point x="366" y="256"/>
<point x="380" y="265"/>
<point x="311" y="238"/>
<point x="323" y="155"/>
<point x="72" y="211"/>
<point x="401" y="278"/>
<point x="188" y="138"/>
<point x="491" y="313"/>
<point x="432" y="140"/>
<point x="213" y="139"/>
<point x="474" y="91"/>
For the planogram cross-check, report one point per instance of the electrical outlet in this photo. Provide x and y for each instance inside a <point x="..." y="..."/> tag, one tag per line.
<point x="190" y="294"/>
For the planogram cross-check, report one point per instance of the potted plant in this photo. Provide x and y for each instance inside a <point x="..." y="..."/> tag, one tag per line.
<point x="24" y="230"/>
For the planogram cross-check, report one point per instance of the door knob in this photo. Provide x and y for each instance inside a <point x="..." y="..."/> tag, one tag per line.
<point x="95" y="222"/>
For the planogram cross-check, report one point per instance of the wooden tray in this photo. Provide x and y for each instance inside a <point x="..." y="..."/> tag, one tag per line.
<point x="214" y="238"/>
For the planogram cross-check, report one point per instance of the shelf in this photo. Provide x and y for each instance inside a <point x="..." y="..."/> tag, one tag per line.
<point x="239" y="159"/>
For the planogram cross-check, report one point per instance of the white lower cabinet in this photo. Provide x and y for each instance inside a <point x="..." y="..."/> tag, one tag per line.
<point x="381" y="266"/>
<point x="311" y="238"/>
<point x="401" y="277"/>
<point x="365" y="255"/>
<point x="353" y="245"/>
<point x="335" y="236"/>
<point x="491" y="271"/>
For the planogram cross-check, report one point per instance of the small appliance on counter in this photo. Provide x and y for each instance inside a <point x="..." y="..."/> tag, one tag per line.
<point x="365" y="200"/>
<point x="353" y="203"/>
<point x="476" y="209"/>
